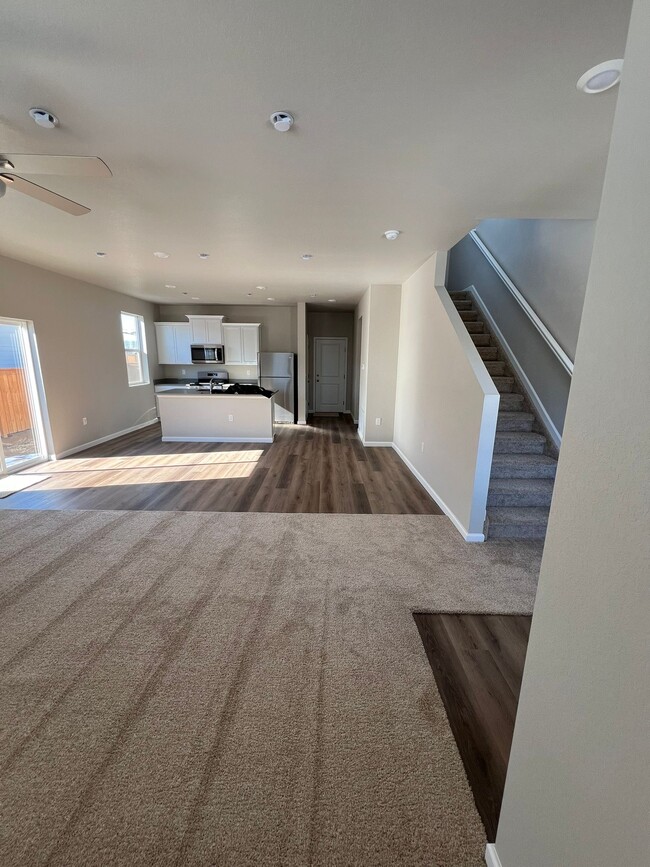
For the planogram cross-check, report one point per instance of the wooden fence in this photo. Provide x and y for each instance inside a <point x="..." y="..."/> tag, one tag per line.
<point x="14" y="405"/>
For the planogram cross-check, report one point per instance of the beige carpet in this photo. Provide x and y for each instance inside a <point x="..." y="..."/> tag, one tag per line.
<point x="235" y="689"/>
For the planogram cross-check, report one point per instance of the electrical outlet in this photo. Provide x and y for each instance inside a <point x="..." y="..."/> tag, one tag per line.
<point x="421" y="447"/>
<point x="231" y="418"/>
<point x="183" y="371"/>
<point x="378" y="422"/>
<point x="248" y="373"/>
<point x="84" y="421"/>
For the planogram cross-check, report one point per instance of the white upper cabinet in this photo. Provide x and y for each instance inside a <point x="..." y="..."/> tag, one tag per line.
<point x="206" y="329"/>
<point x="173" y="342"/>
<point x="241" y="342"/>
<point x="250" y="343"/>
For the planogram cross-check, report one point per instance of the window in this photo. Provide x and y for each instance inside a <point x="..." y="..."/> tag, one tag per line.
<point x="135" y="349"/>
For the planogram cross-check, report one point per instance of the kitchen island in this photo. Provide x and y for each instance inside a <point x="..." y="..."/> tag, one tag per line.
<point x="188" y="416"/>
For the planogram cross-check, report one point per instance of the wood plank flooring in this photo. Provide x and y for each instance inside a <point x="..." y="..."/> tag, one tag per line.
<point x="319" y="467"/>
<point x="478" y="662"/>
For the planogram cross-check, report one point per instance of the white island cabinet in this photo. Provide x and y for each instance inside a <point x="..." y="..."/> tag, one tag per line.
<point x="201" y="417"/>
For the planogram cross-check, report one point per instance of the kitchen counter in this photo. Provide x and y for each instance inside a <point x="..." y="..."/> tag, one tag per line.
<point x="198" y="416"/>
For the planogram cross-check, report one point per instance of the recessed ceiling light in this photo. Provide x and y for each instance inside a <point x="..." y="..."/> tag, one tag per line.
<point x="204" y="255"/>
<point x="307" y="256"/>
<point x="392" y="234"/>
<point x="160" y="255"/>
<point x="261" y="288"/>
<point x="600" y="78"/>
<point x="332" y="300"/>
<point x="195" y="298"/>
<point x="170" y="285"/>
<point x="270" y="299"/>
<point x="100" y="253"/>
<point x="44" y="118"/>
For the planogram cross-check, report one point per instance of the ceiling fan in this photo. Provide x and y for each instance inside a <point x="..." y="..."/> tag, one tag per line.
<point x="13" y="166"/>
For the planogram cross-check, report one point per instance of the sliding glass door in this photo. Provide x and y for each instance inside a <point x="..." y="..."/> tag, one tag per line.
<point x="22" y="434"/>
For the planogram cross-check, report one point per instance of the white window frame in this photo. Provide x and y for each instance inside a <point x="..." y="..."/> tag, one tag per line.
<point x="140" y="350"/>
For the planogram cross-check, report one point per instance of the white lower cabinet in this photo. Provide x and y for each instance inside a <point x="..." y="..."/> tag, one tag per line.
<point x="241" y="342"/>
<point x="173" y="340"/>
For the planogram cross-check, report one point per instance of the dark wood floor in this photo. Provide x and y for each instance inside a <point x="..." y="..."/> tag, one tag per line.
<point x="320" y="467"/>
<point x="478" y="662"/>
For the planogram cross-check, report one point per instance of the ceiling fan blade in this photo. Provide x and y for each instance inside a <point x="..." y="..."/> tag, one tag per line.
<point x="46" y="164"/>
<point x="47" y="196"/>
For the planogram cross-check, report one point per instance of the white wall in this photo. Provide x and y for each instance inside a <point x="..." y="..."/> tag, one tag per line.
<point x="578" y="788"/>
<point x="548" y="261"/>
<point x="380" y="310"/>
<point x="79" y="337"/>
<point x="446" y="403"/>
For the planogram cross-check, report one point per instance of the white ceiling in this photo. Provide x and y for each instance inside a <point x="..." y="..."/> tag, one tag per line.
<point x="421" y="115"/>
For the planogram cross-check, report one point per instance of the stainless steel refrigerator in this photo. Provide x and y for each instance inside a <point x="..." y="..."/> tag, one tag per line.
<point x="277" y="371"/>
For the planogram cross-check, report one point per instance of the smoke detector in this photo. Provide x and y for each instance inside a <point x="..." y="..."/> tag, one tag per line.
<point x="282" y="121"/>
<point x="392" y="234"/>
<point x="44" y="118"/>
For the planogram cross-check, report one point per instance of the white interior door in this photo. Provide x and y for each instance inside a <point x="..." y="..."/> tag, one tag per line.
<point x="330" y="373"/>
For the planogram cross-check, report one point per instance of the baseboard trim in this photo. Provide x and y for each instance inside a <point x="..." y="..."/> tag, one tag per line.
<point x="98" y="442"/>
<point x="380" y="445"/>
<point x="532" y="395"/>
<point x="217" y="439"/>
<point x="467" y="536"/>
<point x="492" y="856"/>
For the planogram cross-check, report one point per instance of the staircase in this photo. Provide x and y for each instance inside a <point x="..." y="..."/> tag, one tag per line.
<point x="523" y="468"/>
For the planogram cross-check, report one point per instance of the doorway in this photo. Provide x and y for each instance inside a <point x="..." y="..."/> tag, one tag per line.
<point x="330" y="374"/>
<point x="22" y="428"/>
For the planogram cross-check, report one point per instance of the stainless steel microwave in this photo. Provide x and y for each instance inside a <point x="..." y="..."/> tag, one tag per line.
<point x="211" y="354"/>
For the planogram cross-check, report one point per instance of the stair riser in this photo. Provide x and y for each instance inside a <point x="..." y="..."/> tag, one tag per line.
<point x="514" y="472"/>
<point x="475" y="327"/>
<point x="511" y="402"/>
<point x="496" y="368"/>
<point x="503" y="384"/>
<point x="463" y="305"/>
<point x="520" y="425"/>
<point x="468" y="315"/>
<point x="519" y="500"/>
<point x="508" y="447"/>
<point x="481" y="339"/>
<point x="517" y="531"/>
<point x="488" y="353"/>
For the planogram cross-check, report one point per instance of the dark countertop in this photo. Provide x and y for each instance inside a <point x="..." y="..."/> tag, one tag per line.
<point x="190" y="392"/>
<point x="187" y="379"/>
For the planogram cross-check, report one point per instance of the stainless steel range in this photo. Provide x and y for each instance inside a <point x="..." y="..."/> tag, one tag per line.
<point x="210" y="380"/>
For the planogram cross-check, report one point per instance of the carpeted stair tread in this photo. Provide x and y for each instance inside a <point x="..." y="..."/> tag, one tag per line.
<point x="505" y="523"/>
<point x="520" y="493"/>
<point x="515" y="421"/>
<point x="496" y="368"/>
<point x="481" y="339"/>
<point x="488" y="353"/>
<point x="503" y="383"/>
<point x="463" y="304"/>
<point x="511" y="402"/>
<point x="468" y="315"/>
<point x="475" y="327"/>
<point x="516" y="442"/>
<point x="518" y="466"/>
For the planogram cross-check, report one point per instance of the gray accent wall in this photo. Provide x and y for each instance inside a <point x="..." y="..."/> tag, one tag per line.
<point x="548" y="261"/>
<point x="547" y="376"/>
